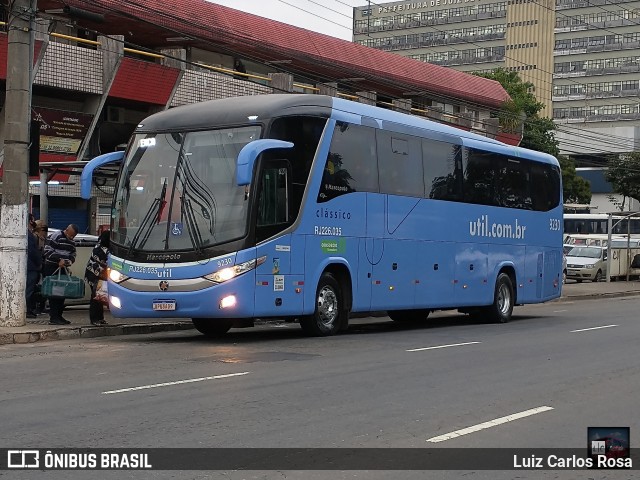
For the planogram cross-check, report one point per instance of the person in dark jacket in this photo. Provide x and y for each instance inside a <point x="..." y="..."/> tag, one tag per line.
<point x="97" y="270"/>
<point x="34" y="267"/>
<point x="59" y="252"/>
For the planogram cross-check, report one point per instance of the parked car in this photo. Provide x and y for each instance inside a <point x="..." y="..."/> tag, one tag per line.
<point x="587" y="263"/>
<point x="564" y="269"/>
<point x="84" y="246"/>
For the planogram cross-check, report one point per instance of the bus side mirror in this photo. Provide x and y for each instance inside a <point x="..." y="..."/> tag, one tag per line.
<point x="87" y="172"/>
<point x="248" y="155"/>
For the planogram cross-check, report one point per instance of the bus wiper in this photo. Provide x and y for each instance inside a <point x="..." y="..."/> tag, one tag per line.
<point x="146" y="225"/>
<point x="192" y="225"/>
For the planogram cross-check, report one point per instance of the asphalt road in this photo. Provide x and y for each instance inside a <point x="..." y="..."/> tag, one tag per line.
<point x="379" y="385"/>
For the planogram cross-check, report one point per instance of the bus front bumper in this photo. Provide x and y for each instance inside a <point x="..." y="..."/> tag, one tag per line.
<point x="232" y="299"/>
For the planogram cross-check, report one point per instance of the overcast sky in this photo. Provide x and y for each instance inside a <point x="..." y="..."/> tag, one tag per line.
<point x="331" y="17"/>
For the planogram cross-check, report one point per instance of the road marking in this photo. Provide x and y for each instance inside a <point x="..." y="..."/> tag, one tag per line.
<point x="179" y="382"/>
<point x="441" y="346"/>
<point x="560" y="311"/>
<point x="492" y="423"/>
<point x="593" y="328"/>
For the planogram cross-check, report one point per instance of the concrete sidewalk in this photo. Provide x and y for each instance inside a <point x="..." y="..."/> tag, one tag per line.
<point x="39" y="329"/>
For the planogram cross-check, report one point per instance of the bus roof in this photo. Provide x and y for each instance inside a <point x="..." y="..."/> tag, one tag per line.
<point x="236" y="110"/>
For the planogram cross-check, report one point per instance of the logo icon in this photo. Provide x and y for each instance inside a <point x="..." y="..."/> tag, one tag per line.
<point x="163" y="286"/>
<point x="23" y="459"/>
<point x="608" y="444"/>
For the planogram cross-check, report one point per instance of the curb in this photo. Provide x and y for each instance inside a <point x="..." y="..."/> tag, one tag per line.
<point x="92" y="332"/>
<point x="593" y="296"/>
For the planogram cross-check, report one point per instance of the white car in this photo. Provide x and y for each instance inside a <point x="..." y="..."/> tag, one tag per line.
<point x="587" y="263"/>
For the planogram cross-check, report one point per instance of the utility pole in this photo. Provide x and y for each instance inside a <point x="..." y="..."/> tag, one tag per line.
<point x="15" y="182"/>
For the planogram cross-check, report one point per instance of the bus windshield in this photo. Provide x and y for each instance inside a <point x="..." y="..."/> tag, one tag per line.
<point x="178" y="191"/>
<point x="586" y="252"/>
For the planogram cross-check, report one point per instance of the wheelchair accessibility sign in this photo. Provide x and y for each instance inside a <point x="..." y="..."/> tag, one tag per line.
<point x="176" y="229"/>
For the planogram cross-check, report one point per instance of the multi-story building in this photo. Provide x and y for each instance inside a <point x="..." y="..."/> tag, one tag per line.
<point x="470" y="36"/>
<point x="582" y="56"/>
<point x="597" y="77"/>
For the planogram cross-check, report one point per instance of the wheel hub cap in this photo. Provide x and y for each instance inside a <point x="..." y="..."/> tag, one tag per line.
<point x="327" y="306"/>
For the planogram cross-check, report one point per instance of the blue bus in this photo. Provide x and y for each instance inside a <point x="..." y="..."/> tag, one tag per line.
<point x="309" y="208"/>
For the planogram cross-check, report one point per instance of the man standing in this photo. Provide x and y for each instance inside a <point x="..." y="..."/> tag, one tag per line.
<point x="59" y="252"/>
<point x="34" y="266"/>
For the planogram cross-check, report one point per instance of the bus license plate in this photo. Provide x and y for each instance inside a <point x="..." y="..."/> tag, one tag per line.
<point x="164" y="305"/>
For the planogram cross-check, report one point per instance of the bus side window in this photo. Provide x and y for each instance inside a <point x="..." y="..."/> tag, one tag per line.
<point x="274" y="190"/>
<point x="480" y="170"/>
<point x="400" y="164"/>
<point x="441" y="161"/>
<point x="350" y="165"/>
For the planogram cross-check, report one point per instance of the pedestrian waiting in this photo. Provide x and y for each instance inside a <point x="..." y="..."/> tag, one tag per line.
<point x="96" y="276"/>
<point x="59" y="252"/>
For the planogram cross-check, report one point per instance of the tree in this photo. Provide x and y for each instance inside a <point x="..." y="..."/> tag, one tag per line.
<point x="575" y="189"/>
<point x="623" y="173"/>
<point x="538" y="133"/>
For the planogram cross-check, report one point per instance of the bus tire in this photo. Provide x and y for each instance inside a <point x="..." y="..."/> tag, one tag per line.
<point x="503" y="300"/>
<point x="408" y="316"/>
<point x="212" y="327"/>
<point x="330" y="315"/>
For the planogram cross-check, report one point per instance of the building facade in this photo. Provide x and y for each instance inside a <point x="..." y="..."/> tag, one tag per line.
<point x="582" y="56"/>
<point x="467" y="35"/>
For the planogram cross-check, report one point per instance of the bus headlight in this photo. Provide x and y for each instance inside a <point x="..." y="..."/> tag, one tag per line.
<point x="231" y="272"/>
<point x="116" y="276"/>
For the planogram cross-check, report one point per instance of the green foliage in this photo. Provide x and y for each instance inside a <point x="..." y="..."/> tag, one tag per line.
<point x="575" y="189"/>
<point x="539" y="135"/>
<point x="623" y="173"/>
<point x="523" y="104"/>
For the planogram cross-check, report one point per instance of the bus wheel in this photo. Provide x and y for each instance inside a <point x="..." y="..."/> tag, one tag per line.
<point x="408" y="316"/>
<point x="503" y="299"/>
<point x="330" y="314"/>
<point x="212" y="327"/>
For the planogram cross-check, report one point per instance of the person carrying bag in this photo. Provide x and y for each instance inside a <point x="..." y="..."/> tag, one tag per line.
<point x="59" y="252"/>
<point x="96" y="276"/>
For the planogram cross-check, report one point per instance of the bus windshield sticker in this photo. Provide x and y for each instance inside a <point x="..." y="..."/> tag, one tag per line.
<point x="176" y="228"/>
<point x="117" y="265"/>
<point x="278" y="283"/>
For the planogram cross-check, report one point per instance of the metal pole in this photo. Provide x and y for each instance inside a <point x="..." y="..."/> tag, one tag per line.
<point x="609" y="229"/>
<point x="14" y="208"/>
<point x="628" y="245"/>
<point x="44" y="197"/>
